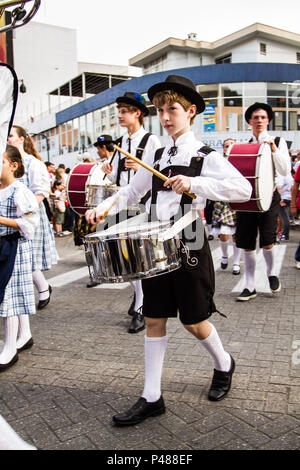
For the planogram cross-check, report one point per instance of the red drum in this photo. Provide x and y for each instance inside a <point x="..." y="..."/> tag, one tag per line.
<point x="83" y="180"/>
<point x="255" y="162"/>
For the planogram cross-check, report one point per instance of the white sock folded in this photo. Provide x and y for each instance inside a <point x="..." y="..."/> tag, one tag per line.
<point x="250" y="265"/>
<point x="137" y="286"/>
<point x="24" y="333"/>
<point x="155" y="349"/>
<point x="269" y="256"/>
<point x="224" y="248"/>
<point x="11" y="325"/>
<point x="214" y="346"/>
<point x="41" y="284"/>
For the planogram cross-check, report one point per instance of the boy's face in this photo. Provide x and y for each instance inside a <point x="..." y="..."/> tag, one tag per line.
<point x="174" y="119"/>
<point x="259" y="121"/>
<point x="128" y="118"/>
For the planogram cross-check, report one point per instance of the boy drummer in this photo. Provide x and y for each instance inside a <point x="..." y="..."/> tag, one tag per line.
<point x="132" y="111"/>
<point x="189" y="290"/>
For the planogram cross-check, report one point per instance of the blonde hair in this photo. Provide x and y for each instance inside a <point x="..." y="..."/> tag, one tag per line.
<point x="170" y="97"/>
<point x="132" y="109"/>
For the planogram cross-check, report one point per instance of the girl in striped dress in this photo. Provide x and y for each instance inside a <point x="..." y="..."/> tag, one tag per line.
<point x="19" y="218"/>
<point x="36" y="178"/>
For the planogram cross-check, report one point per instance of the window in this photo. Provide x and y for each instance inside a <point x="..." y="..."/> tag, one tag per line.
<point x="226" y="59"/>
<point x="298" y="57"/>
<point x="263" y="48"/>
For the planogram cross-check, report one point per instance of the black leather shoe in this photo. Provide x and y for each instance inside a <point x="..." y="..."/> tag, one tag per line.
<point x="44" y="303"/>
<point x="137" y="323"/>
<point x="210" y="237"/>
<point x="131" y="308"/>
<point x="92" y="284"/>
<point x="10" y="363"/>
<point x="26" y="345"/>
<point x="140" y="411"/>
<point x="221" y="383"/>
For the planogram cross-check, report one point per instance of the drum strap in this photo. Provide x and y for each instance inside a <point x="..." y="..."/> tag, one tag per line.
<point x="139" y="154"/>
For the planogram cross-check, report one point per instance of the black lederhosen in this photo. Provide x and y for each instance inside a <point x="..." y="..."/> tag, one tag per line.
<point x="249" y="224"/>
<point x="188" y="290"/>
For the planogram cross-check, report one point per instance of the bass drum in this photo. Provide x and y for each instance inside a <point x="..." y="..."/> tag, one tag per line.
<point x="84" y="181"/>
<point x="255" y="162"/>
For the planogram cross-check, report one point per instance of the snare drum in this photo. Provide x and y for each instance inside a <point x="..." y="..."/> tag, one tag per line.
<point x="255" y="162"/>
<point x="86" y="187"/>
<point x="135" y="253"/>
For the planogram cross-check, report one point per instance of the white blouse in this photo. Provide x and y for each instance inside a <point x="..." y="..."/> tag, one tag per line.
<point x="27" y="209"/>
<point x="37" y="175"/>
<point x="219" y="181"/>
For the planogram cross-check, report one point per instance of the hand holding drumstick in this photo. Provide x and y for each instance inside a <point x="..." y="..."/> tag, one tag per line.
<point x="98" y="215"/>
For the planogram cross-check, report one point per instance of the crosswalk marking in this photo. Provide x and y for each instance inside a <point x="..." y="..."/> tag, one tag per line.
<point x="262" y="284"/>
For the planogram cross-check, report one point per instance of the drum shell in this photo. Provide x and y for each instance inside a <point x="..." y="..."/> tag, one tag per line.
<point x="130" y="256"/>
<point x="247" y="159"/>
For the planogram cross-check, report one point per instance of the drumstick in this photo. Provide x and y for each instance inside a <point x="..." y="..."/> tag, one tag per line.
<point x="109" y="209"/>
<point x="155" y="172"/>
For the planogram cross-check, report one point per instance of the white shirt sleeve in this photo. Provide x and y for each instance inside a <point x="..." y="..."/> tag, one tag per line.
<point x="282" y="159"/>
<point x="38" y="178"/>
<point x="27" y="212"/>
<point x="220" y="181"/>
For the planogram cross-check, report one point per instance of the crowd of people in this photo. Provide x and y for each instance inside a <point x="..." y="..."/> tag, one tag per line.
<point x="34" y="209"/>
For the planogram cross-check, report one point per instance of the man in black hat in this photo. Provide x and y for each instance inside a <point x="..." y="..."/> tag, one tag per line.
<point x="104" y="146"/>
<point x="249" y="224"/>
<point x="138" y="142"/>
<point x="189" y="166"/>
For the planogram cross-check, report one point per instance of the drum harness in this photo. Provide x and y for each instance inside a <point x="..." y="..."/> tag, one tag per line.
<point x="189" y="257"/>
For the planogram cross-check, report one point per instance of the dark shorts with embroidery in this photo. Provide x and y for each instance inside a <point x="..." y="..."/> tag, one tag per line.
<point x="250" y="224"/>
<point x="188" y="291"/>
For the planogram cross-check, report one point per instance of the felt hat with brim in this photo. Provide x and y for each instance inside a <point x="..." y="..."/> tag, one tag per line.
<point x="256" y="106"/>
<point x="182" y="85"/>
<point x="134" y="99"/>
<point x="103" y="139"/>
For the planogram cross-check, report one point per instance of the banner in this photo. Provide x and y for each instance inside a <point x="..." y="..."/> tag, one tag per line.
<point x="209" y="118"/>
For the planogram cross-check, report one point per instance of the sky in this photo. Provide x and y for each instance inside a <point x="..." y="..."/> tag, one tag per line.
<point x="113" y="31"/>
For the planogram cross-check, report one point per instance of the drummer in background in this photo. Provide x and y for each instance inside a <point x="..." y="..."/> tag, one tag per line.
<point x="189" y="166"/>
<point x="104" y="146"/>
<point x="249" y="224"/>
<point x="137" y="141"/>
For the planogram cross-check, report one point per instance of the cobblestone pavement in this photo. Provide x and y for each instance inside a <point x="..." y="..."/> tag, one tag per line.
<point x="84" y="367"/>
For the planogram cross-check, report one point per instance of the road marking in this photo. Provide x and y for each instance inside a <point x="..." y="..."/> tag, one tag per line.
<point x="68" y="277"/>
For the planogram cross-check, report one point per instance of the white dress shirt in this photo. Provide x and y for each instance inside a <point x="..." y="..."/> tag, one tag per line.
<point x="219" y="181"/>
<point x="281" y="157"/>
<point x="153" y="143"/>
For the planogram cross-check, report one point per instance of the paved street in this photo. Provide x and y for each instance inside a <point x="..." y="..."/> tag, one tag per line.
<point x="84" y="367"/>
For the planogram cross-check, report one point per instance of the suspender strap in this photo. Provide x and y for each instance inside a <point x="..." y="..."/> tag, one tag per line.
<point x="139" y="154"/>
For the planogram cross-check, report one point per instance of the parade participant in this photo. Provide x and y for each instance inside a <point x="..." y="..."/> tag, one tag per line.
<point x="249" y="224"/>
<point x="104" y="146"/>
<point x="295" y="206"/>
<point x="19" y="217"/>
<point x="37" y="180"/>
<point x="224" y="223"/>
<point x="136" y="140"/>
<point x="189" y="166"/>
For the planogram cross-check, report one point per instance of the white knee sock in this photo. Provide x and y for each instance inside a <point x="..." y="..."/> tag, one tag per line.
<point x="215" y="348"/>
<point x="236" y="254"/>
<point x="11" y="325"/>
<point x="137" y="286"/>
<point x="224" y="248"/>
<point x="269" y="256"/>
<point x="9" y="439"/>
<point x="24" y="333"/>
<point x="250" y="264"/>
<point x="155" y="349"/>
<point x="41" y="284"/>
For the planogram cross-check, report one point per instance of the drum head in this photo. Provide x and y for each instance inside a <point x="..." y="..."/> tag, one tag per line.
<point x="135" y="231"/>
<point x="96" y="176"/>
<point x="265" y="180"/>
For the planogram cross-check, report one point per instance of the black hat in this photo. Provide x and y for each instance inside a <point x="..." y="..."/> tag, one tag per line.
<point x="256" y="106"/>
<point x="134" y="99"/>
<point x="103" y="139"/>
<point x="182" y="85"/>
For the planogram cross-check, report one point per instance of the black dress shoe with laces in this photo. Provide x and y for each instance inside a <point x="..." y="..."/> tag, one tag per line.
<point x="137" y="323"/>
<point x="221" y="383"/>
<point x="140" y="411"/>
<point x="44" y="303"/>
